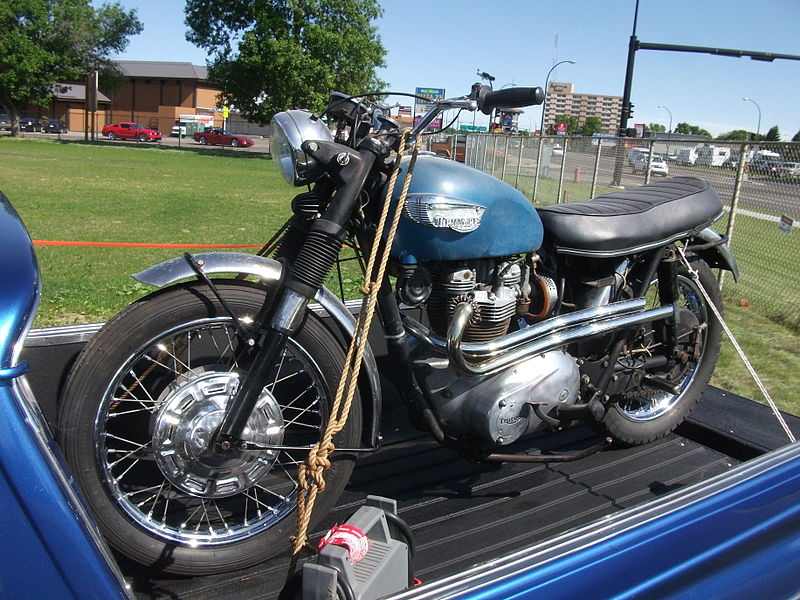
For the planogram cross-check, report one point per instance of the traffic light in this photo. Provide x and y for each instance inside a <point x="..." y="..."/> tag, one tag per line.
<point x="630" y="109"/>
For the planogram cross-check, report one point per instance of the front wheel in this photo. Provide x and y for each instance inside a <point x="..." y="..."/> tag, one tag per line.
<point x="654" y="393"/>
<point x="138" y="412"/>
<point x="203" y="141"/>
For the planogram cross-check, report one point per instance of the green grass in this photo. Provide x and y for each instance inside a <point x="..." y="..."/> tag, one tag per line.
<point x="74" y="191"/>
<point x="112" y="193"/>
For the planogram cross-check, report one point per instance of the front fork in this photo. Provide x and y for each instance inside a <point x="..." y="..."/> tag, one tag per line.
<point x="349" y="168"/>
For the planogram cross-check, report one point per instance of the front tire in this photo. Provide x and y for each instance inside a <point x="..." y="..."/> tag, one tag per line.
<point x="646" y="411"/>
<point x="137" y="412"/>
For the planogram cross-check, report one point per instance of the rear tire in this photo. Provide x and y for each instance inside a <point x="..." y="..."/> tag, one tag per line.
<point x="645" y="412"/>
<point x="141" y="402"/>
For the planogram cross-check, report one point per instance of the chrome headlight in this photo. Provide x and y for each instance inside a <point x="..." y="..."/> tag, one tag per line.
<point x="290" y="129"/>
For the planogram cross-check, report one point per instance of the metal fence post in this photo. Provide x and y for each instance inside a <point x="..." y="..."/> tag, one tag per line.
<point x="561" y="173"/>
<point x="505" y="160"/>
<point x="494" y="153"/>
<point x="538" y="170"/>
<point x="737" y="186"/>
<point x="519" y="161"/>
<point x="596" y="168"/>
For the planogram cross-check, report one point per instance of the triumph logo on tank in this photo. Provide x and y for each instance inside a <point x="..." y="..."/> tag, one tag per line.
<point x="444" y="212"/>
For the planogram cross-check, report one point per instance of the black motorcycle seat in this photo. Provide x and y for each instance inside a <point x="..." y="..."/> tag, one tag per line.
<point x="630" y="220"/>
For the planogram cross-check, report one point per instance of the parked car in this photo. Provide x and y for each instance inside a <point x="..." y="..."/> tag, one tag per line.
<point x="130" y="131"/>
<point x="658" y="164"/>
<point x="55" y="126"/>
<point x="558" y="150"/>
<point x="29" y="124"/>
<point x="179" y="129"/>
<point x="789" y="169"/>
<point x="219" y="136"/>
<point x="5" y="122"/>
<point x="765" y="166"/>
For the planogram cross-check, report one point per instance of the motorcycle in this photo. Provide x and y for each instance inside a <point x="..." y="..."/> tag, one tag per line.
<point x="187" y="418"/>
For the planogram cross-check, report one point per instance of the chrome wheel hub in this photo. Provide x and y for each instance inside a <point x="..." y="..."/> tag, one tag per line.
<point x="190" y="410"/>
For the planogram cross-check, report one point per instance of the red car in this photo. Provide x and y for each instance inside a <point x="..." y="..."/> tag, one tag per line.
<point x="216" y="135"/>
<point x="131" y="131"/>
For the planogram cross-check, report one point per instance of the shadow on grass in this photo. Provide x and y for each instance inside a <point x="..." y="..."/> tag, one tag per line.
<point x="198" y="149"/>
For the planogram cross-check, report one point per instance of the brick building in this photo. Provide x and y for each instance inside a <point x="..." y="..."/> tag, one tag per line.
<point x="562" y="100"/>
<point x="152" y="94"/>
<point x="155" y="93"/>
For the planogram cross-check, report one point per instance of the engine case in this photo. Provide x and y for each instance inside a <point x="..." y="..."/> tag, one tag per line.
<point x="498" y="409"/>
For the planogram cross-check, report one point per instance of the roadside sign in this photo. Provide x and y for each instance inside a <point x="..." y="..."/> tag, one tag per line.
<point x="785" y="225"/>
<point x="561" y="128"/>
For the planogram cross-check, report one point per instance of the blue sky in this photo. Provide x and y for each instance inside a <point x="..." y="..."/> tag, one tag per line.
<point x="441" y="44"/>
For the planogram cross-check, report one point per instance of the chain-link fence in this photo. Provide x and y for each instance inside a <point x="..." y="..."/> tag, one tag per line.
<point x="759" y="185"/>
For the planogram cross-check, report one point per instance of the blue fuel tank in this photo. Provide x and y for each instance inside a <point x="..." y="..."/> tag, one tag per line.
<point x="455" y="212"/>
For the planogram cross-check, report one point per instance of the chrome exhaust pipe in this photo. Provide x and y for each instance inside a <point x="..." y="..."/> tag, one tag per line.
<point x="489" y="357"/>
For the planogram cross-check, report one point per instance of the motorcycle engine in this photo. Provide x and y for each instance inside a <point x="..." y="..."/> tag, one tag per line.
<point x="495" y="409"/>
<point x="494" y="287"/>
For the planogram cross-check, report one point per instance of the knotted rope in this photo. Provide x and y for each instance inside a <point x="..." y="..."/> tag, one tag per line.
<point x="311" y="481"/>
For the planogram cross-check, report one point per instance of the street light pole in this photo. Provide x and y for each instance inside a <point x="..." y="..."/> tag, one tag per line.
<point x="546" y="81"/>
<point x="758" y="127"/>
<point x="541" y="125"/>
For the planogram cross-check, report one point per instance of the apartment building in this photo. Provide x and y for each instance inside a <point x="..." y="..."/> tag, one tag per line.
<point x="562" y="100"/>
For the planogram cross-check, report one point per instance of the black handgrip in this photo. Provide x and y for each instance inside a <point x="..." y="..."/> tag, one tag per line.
<point x="514" y="97"/>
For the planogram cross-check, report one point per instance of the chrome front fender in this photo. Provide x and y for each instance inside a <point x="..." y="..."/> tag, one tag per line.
<point x="214" y="263"/>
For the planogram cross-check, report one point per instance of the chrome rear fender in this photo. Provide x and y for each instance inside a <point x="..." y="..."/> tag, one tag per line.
<point x="268" y="270"/>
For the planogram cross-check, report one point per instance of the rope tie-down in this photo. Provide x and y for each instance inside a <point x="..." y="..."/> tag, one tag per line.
<point x="311" y="479"/>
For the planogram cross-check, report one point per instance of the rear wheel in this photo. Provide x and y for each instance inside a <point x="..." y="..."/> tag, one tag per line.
<point x="141" y="404"/>
<point x="203" y="140"/>
<point x="657" y="392"/>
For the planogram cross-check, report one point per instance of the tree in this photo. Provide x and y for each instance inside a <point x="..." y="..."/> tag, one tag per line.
<point x="272" y="55"/>
<point x="687" y="129"/>
<point x="655" y="127"/>
<point x="773" y="135"/>
<point x="736" y="134"/>
<point x="572" y="124"/>
<point x="796" y="137"/>
<point x="45" y="43"/>
<point x="591" y="126"/>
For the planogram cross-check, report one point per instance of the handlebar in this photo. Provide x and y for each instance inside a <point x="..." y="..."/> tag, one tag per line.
<point x="515" y="97"/>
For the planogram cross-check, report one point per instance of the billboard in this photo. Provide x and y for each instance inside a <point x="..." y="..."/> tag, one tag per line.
<point x="422" y="106"/>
